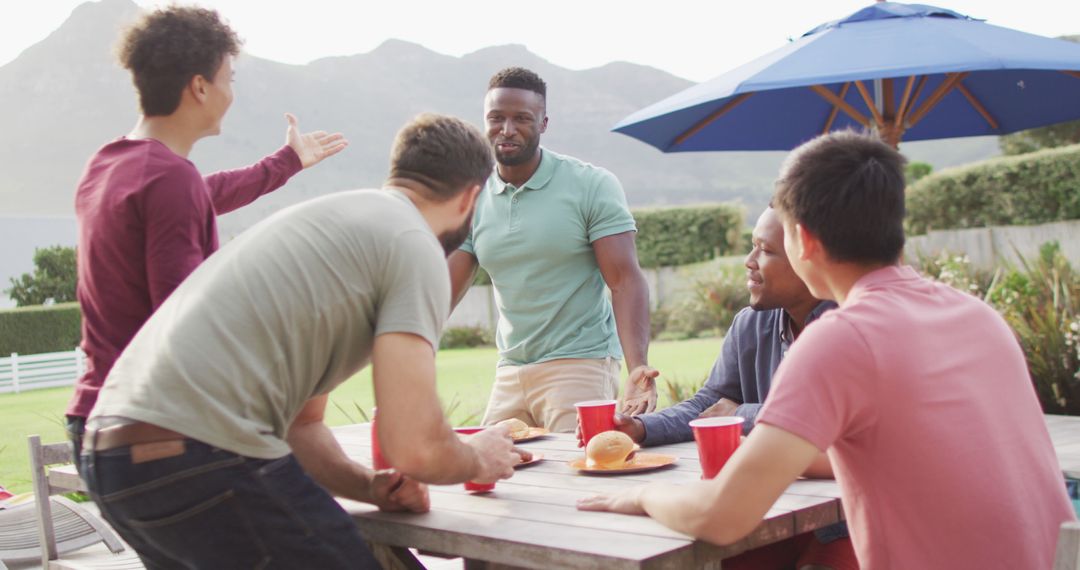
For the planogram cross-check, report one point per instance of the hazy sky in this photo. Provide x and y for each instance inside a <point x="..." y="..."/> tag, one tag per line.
<point x="696" y="39"/>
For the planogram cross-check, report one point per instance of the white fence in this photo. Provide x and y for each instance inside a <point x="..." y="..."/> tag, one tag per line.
<point x="19" y="373"/>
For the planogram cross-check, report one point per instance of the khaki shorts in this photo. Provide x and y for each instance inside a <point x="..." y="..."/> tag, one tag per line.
<point x="544" y="394"/>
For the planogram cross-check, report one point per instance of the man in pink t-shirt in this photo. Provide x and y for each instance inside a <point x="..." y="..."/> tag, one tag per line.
<point x="146" y="215"/>
<point x="918" y="393"/>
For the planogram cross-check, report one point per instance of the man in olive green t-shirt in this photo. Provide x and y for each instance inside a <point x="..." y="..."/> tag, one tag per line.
<point x="553" y="232"/>
<point x="207" y="449"/>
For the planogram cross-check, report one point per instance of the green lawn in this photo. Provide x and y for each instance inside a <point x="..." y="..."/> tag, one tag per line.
<point x="464" y="377"/>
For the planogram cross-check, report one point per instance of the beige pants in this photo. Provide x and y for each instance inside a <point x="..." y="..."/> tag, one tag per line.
<point x="544" y="394"/>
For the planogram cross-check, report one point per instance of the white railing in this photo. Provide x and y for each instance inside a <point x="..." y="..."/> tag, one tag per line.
<point x="22" y="372"/>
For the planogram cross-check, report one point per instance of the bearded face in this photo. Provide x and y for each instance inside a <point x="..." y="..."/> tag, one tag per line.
<point x="452" y="239"/>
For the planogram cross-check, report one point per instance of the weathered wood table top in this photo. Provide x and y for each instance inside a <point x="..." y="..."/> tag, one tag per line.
<point x="530" y="521"/>
<point x="1065" y="433"/>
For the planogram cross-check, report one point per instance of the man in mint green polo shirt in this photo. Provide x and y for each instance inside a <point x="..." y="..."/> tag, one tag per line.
<point x="554" y="233"/>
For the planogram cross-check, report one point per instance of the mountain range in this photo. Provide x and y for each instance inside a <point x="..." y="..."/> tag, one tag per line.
<point x="65" y="96"/>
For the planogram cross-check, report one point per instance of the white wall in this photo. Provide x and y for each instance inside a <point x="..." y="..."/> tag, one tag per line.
<point x="477" y="309"/>
<point x="990" y="247"/>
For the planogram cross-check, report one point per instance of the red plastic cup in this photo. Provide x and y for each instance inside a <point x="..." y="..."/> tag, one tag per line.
<point x="470" y="486"/>
<point x="596" y="416"/>
<point x="717" y="438"/>
<point x="376" y="453"/>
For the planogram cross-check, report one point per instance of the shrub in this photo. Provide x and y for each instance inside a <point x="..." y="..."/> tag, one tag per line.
<point x="38" y="329"/>
<point x="1015" y="190"/>
<point x="725" y="295"/>
<point x="709" y="309"/>
<point x="690" y="317"/>
<point x="1042" y="304"/>
<point x="957" y="272"/>
<point x="658" y="321"/>
<point x="676" y="390"/>
<point x="915" y="171"/>
<point x="466" y="337"/>
<point x="679" y="236"/>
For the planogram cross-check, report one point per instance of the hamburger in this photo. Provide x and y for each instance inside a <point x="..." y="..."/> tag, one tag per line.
<point x="518" y="428"/>
<point x="608" y="450"/>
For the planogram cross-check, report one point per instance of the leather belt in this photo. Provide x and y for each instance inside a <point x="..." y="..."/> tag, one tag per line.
<point x="132" y="433"/>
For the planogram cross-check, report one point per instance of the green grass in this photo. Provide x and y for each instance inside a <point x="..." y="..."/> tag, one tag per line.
<point x="464" y="376"/>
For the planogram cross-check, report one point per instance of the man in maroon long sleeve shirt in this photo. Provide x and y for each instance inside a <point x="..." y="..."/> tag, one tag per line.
<point x="146" y="215"/>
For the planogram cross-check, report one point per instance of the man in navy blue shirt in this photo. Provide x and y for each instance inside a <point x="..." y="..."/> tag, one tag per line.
<point x="759" y="336"/>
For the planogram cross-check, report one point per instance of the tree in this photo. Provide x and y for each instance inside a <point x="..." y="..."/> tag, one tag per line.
<point x="53" y="280"/>
<point x="916" y="170"/>
<point x="1051" y="136"/>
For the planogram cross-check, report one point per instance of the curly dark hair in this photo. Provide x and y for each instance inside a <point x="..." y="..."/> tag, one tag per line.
<point x="445" y="154"/>
<point x="518" y="78"/>
<point x="166" y="48"/>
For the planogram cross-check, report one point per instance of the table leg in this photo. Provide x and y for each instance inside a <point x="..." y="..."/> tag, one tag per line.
<point x="394" y="557"/>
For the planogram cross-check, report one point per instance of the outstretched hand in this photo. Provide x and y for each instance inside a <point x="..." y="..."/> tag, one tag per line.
<point x="640" y="395"/>
<point x="312" y="147"/>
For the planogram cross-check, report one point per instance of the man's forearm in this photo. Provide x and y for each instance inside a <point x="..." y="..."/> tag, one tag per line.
<point x="322" y="458"/>
<point x="443" y="463"/>
<point x="670" y="425"/>
<point x="630" y="301"/>
<point x="695" y="509"/>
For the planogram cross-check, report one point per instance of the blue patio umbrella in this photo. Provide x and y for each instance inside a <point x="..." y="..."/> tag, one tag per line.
<point x="906" y="71"/>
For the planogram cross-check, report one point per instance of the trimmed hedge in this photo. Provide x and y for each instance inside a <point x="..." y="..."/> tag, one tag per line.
<point x="1025" y="189"/>
<point x="691" y="234"/>
<point x="38" y="329"/>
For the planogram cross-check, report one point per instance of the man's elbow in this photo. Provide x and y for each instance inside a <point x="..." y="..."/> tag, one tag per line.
<point x="722" y="531"/>
<point x="412" y="463"/>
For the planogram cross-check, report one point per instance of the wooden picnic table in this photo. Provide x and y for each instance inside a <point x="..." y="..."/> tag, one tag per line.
<point x="530" y="520"/>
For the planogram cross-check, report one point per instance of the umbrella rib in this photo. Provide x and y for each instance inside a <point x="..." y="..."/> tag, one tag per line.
<point x="843" y="105"/>
<point x="978" y="106"/>
<point x="712" y="117"/>
<point x="899" y="118"/>
<point x="936" y="97"/>
<point x="915" y="98"/>
<point x="870" y="104"/>
<point x="835" y="109"/>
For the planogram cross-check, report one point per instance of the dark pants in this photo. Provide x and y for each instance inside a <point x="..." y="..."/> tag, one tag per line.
<point x="209" y="508"/>
<point x="76" y="427"/>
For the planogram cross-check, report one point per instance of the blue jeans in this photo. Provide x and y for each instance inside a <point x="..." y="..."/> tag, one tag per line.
<point x="210" y="508"/>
